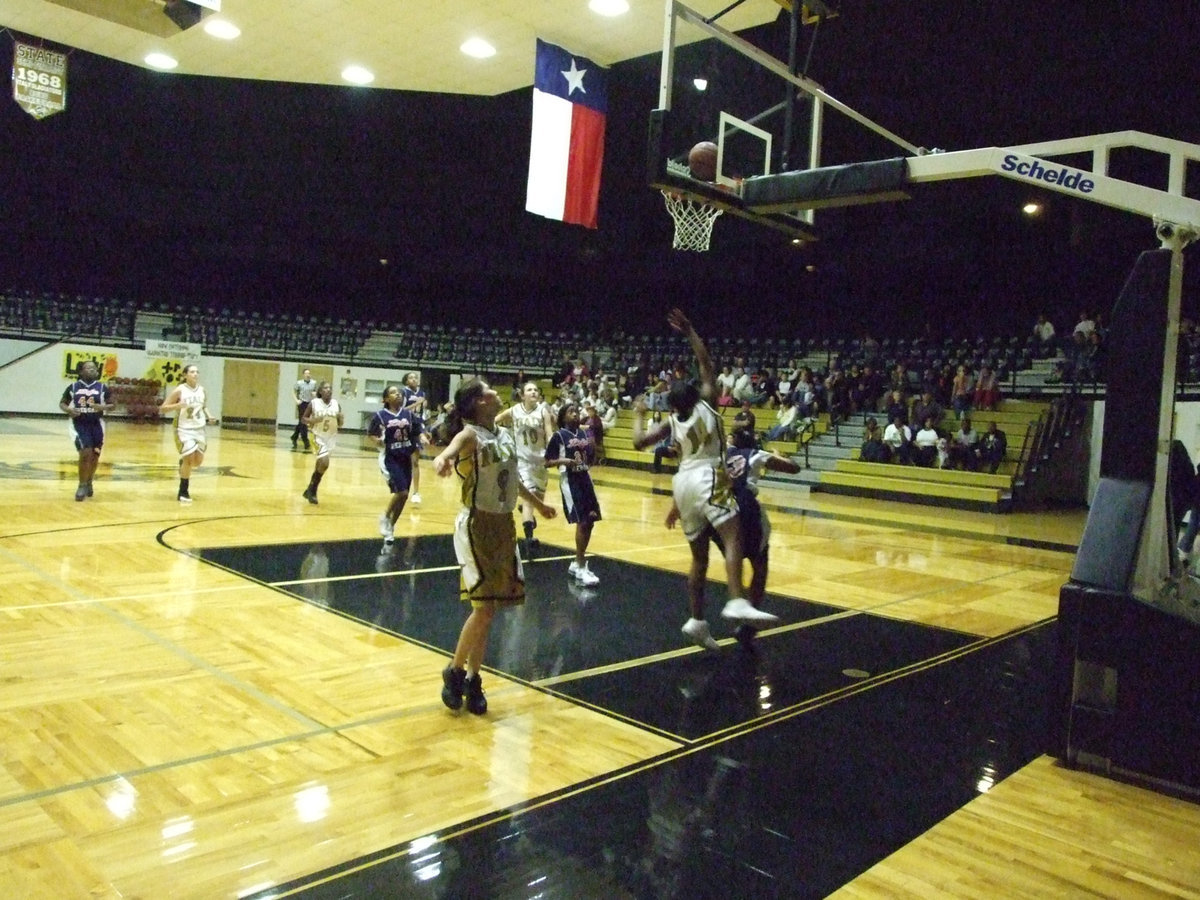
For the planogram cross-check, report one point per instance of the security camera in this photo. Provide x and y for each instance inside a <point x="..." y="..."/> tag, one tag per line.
<point x="1165" y="231"/>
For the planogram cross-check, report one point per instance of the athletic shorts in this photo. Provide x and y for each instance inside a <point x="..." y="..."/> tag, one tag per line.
<point x="397" y="469"/>
<point x="756" y="530"/>
<point x="325" y="445"/>
<point x="579" y="497"/>
<point x="534" y="476"/>
<point x="486" y="546"/>
<point x="190" y="440"/>
<point x="88" y="435"/>
<point x="704" y="496"/>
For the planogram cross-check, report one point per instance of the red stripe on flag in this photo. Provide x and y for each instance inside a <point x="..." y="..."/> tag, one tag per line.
<point x="586" y="158"/>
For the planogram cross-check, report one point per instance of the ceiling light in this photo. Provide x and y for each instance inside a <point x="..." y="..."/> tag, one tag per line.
<point x="357" y="75"/>
<point x="478" y="48"/>
<point x="701" y="84"/>
<point x="1031" y="209"/>
<point x="220" y="28"/>
<point x="161" y="61"/>
<point x="609" y="7"/>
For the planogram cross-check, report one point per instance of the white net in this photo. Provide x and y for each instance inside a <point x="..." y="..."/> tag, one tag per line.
<point x="693" y="221"/>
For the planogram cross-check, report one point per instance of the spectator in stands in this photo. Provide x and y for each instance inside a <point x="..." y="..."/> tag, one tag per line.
<point x="929" y="383"/>
<point x="1086" y="324"/>
<point x="992" y="448"/>
<point x="927" y="407"/>
<point x="837" y="395"/>
<point x="964" y="446"/>
<point x="896" y="405"/>
<point x="744" y="390"/>
<point x="787" y="379"/>
<point x="898" y="437"/>
<point x="725" y="383"/>
<point x="943" y="453"/>
<point x="803" y="391"/>
<point x="591" y="422"/>
<point x="768" y="387"/>
<point x="898" y="381"/>
<point x="865" y="390"/>
<point x="873" y="447"/>
<point x="608" y="417"/>
<point x="870" y="348"/>
<point x="945" y="386"/>
<point x="962" y="392"/>
<point x="1046" y="342"/>
<point x="925" y="444"/>
<point x="664" y="449"/>
<point x="787" y="421"/>
<point x="1092" y="358"/>
<point x="656" y="395"/>
<point x="987" y="389"/>
<point x="637" y="379"/>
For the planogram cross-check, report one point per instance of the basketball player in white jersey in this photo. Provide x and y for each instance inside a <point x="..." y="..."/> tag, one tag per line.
<point x="323" y="417"/>
<point x="532" y="425"/>
<point x="702" y="489"/>
<point x="189" y="403"/>
<point x="485" y="539"/>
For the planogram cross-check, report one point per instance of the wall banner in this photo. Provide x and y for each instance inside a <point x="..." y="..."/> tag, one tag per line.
<point x="39" y="78"/>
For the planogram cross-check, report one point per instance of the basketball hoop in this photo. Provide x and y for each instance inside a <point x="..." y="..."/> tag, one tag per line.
<point x="693" y="221"/>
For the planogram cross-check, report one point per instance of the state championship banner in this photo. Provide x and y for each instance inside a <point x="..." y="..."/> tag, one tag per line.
<point x="566" y="151"/>
<point x="39" y="78"/>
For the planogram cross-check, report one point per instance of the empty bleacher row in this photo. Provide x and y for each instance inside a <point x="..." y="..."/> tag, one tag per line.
<point x="329" y="338"/>
<point x="57" y="316"/>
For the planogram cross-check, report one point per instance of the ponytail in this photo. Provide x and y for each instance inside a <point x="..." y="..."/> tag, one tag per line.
<point x="464" y="401"/>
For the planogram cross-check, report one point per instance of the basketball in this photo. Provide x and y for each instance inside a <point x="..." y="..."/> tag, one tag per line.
<point x="702" y="161"/>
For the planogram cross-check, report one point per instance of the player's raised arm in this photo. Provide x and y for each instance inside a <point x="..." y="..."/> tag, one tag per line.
<point x="708" y="380"/>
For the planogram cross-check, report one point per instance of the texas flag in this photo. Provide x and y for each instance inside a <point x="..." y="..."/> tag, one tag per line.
<point x="570" y="102"/>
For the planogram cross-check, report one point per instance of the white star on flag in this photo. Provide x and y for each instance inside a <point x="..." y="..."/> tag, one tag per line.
<point x="574" y="78"/>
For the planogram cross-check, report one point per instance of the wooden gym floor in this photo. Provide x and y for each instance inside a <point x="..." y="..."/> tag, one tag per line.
<point x="240" y="697"/>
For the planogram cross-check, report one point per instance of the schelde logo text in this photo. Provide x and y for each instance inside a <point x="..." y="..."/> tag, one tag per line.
<point x="1049" y="173"/>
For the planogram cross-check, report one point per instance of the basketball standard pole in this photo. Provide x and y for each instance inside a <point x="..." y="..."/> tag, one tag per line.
<point x="1158" y="532"/>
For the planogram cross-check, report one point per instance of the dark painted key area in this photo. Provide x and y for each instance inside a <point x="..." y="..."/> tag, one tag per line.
<point x="805" y="759"/>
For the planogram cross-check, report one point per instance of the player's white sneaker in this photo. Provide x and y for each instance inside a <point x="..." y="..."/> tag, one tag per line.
<point x="740" y="609"/>
<point x="385" y="527"/>
<point x="586" y="576"/>
<point x="414" y="498"/>
<point x="697" y="631"/>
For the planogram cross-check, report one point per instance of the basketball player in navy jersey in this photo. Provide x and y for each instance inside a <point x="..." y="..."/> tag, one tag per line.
<point x="573" y="449"/>
<point x="416" y="403"/>
<point x="746" y="464"/>
<point x="85" y="401"/>
<point x="396" y="429"/>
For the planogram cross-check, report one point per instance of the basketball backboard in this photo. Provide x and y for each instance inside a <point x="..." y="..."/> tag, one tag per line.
<point x="760" y="110"/>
